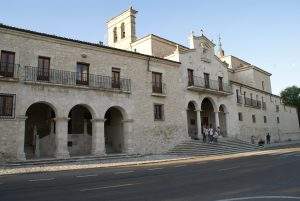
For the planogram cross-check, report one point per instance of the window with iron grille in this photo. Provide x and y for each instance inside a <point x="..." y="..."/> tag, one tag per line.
<point x="206" y="80"/>
<point x="240" y="116"/>
<point x="82" y="74"/>
<point x="265" y="119"/>
<point x="253" y="118"/>
<point x="158" y="112"/>
<point x="156" y="82"/>
<point x="191" y="77"/>
<point x="115" y="80"/>
<point x="7" y="105"/>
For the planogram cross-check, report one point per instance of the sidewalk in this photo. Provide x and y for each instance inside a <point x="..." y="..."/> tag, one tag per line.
<point x="144" y="160"/>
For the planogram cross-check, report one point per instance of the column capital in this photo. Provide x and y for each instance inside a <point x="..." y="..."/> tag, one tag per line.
<point x="127" y="121"/>
<point x="216" y="111"/>
<point x="198" y="110"/>
<point x="61" y="119"/>
<point x="98" y="120"/>
<point x="21" y="117"/>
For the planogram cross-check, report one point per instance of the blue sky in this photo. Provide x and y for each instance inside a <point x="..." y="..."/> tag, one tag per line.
<point x="264" y="33"/>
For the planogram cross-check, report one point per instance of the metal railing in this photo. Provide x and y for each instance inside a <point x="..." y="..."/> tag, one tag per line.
<point x="252" y="103"/>
<point x="239" y="99"/>
<point x="8" y="69"/>
<point x="34" y="74"/>
<point x="159" y="88"/>
<point x="209" y="84"/>
<point x="264" y="106"/>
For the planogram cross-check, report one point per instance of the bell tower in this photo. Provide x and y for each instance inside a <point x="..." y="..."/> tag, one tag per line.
<point x="121" y="30"/>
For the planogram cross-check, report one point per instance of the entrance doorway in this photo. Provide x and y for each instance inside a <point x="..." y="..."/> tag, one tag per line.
<point x="39" y="131"/>
<point x="113" y="131"/>
<point x="207" y="114"/>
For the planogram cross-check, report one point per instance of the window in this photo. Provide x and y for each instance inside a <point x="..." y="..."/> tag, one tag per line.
<point x="265" y="119"/>
<point x="240" y="116"/>
<point x="43" y="68"/>
<point x="191" y="77"/>
<point x="7" y="106"/>
<point x="238" y="97"/>
<point x="158" y="112"/>
<point x="115" y="34"/>
<point x="82" y="75"/>
<point x="156" y="82"/>
<point x="253" y="118"/>
<point x="206" y="80"/>
<point x="122" y="30"/>
<point x="115" y="80"/>
<point x="7" y="64"/>
<point x="277" y="108"/>
<point x="263" y="85"/>
<point x="277" y="118"/>
<point x="220" y="82"/>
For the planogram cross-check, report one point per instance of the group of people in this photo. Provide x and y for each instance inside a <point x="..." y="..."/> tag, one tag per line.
<point x="210" y="134"/>
<point x="261" y="142"/>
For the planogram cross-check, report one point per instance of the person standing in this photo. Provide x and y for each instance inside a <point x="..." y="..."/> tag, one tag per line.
<point x="204" y="134"/>
<point x="211" y="133"/>
<point x="268" y="138"/>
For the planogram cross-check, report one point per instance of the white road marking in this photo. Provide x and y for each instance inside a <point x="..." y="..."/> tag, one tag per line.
<point x="153" y="169"/>
<point x="261" y="197"/>
<point x="106" y="187"/>
<point x="46" y="179"/>
<point x="231" y="168"/>
<point x="177" y="166"/>
<point x="125" y="172"/>
<point x="88" y="175"/>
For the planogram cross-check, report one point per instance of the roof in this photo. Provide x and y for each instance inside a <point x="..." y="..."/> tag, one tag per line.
<point x="3" y="26"/>
<point x="161" y="38"/>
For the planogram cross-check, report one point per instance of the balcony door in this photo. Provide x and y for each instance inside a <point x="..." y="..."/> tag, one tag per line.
<point x="82" y="74"/>
<point x="156" y="82"/>
<point x="206" y="80"/>
<point x="115" y="80"/>
<point x="191" y="77"/>
<point x="220" y="82"/>
<point x="43" y="70"/>
<point x="7" y="64"/>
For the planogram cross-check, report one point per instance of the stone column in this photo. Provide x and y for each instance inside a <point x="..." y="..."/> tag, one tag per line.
<point x="61" y="138"/>
<point x="98" y="139"/>
<point x="127" y="134"/>
<point x="217" y="121"/>
<point x="20" y="139"/>
<point x="199" y="126"/>
<point x="226" y="122"/>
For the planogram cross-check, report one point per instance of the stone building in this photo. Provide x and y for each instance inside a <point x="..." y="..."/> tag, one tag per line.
<point x="61" y="97"/>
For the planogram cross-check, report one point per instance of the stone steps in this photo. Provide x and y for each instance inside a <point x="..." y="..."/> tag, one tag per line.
<point x="77" y="159"/>
<point x="223" y="146"/>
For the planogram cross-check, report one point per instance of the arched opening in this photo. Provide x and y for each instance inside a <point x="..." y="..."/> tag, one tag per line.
<point x="192" y="120"/>
<point x="113" y="131"/>
<point x="79" y="131"/>
<point x="39" y="131"/>
<point x="123" y="30"/>
<point x="207" y="113"/>
<point x="222" y="120"/>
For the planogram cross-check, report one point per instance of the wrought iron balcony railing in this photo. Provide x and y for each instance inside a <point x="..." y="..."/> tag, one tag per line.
<point x="209" y="84"/>
<point x="34" y="74"/>
<point x="159" y="88"/>
<point x="9" y="70"/>
<point x="252" y="103"/>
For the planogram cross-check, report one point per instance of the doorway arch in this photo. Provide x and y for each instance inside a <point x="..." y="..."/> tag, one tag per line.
<point x="114" y="130"/>
<point x="39" y="131"/>
<point x="192" y="120"/>
<point x="80" y="131"/>
<point x="207" y="113"/>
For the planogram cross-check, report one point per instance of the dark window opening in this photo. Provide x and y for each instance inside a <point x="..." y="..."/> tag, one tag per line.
<point x="7" y="64"/>
<point x="43" y="68"/>
<point x="82" y="75"/>
<point x="158" y="112"/>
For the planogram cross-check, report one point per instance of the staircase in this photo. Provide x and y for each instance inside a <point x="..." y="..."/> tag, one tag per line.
<point x="222" y="147"/>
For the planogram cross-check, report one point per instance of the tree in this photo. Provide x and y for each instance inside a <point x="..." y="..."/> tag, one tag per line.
<point x="291" y="96"/>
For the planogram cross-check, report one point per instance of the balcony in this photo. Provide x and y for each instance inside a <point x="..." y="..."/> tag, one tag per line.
<point x="159" y="89"/>
<point x="239" y="99"/>
<point x="252" y="103"/>
<point x="9" y="70"/>
<point x="264" y="106"/>
<point x="68" y="78"/>
<point x="210" y="86"/>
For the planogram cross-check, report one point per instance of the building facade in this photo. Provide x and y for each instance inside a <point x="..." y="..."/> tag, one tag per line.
<point x="61" y="97"/>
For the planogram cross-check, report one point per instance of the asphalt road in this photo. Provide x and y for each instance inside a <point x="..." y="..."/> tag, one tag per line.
<point x="269" y="177"/>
